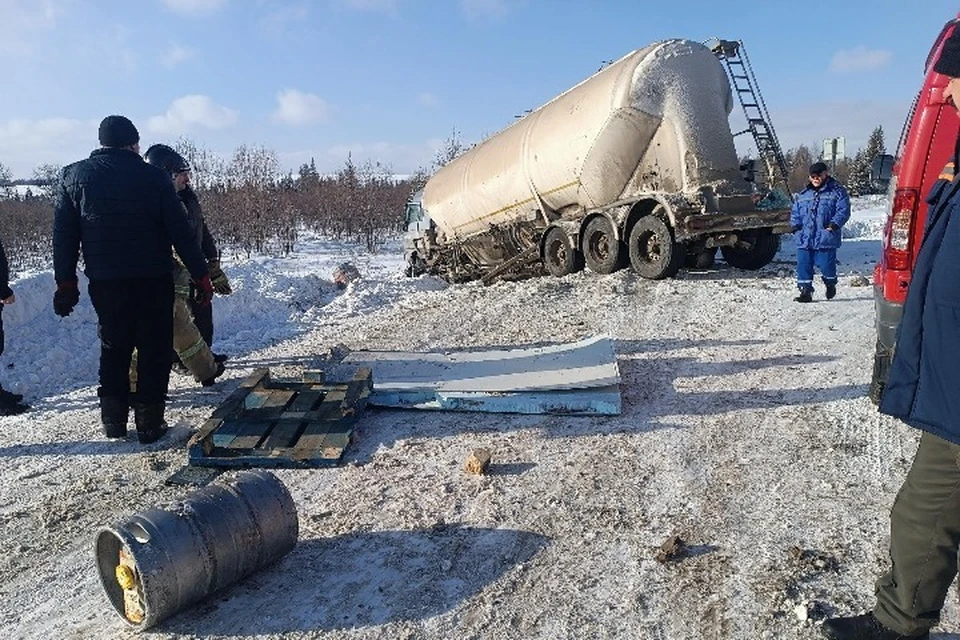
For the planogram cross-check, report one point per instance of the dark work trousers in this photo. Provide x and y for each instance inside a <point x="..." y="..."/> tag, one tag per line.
<point x="924" y="539"/>
<point x="203" y="319"/>
<point x="134" y="313"/>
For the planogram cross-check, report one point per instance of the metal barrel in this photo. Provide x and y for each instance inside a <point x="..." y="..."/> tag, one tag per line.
<point x="165" y="559"/>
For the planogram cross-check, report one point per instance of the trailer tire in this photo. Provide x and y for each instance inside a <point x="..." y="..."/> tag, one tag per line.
<point x="654" y="254"/>
<point x="601" y="248"/>
<point x="415" y="266"/>
<point x="764" y="246"/>
<point x="560" y="254"/>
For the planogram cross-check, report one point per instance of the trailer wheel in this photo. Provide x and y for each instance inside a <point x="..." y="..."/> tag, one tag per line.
<point x="415" y="266"/>
<point x="601" y="249"/>
<point x="755" y="251"/>
<point x="654" y="254"/>
<point x="560" y="254"/>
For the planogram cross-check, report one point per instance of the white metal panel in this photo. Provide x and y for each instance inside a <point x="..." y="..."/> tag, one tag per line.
<point x="580" y="365"/>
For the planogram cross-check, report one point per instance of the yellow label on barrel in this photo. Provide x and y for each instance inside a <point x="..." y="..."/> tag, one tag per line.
<point x="125" y="577"/>
<point x="126" y="573"/>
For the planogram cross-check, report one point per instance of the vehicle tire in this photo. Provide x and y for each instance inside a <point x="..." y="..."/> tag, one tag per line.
<point x="560" y="254"/>
<point x="415" y="266"/>
<point x="701" y="259"/>
<point x="763" y="247"/>
<point x="601" y="249"/>
<point x="654" y="254"/>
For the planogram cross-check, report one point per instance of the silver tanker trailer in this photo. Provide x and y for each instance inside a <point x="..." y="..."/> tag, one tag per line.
<point x="635" y="164"/>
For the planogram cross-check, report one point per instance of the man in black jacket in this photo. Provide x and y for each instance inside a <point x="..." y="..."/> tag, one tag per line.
<point x="124" y="215"/>
<point x="10" y="404"/>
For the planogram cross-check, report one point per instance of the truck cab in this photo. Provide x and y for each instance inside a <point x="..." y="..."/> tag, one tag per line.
<point x="926" y="145"/>
<point x="419" y="227"/>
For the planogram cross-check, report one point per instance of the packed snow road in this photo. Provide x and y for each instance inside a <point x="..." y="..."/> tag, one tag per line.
<point x="746" y="431"/>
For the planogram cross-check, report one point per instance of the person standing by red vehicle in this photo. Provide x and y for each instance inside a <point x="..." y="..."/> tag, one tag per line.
<point x="921" y="390"/>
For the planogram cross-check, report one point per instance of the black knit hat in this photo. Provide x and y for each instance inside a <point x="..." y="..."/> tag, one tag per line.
<point x="949" y="62"/>
<point x="817" y="167"/>
<point x="118" y="131"/>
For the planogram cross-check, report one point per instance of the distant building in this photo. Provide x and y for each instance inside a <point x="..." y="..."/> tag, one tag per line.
<point x="834" y="150"/>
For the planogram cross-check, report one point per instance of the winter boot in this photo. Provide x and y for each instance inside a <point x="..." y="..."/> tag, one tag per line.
<point x="806" y="295"/>
<point x="209" y="382"/>
<point x="220" y="357"/>
<point x="865" y="627"/>
<point x="149" y="420"/>
<point x="12" y="407"/>
<point x="113" y="416"/>
<point x="831" y="291"/>
<point x="9" y="397"/>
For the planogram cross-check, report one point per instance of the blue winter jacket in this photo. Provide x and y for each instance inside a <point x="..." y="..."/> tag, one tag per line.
<point x="124" y="214"/>
<point x="923" y="385"/>
<point x="814" y="209"/>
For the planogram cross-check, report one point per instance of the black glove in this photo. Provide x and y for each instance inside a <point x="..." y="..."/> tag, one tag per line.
<point x="830" y="227"/>
<point x="65" y="298"/>
<point x="796" y="228"/>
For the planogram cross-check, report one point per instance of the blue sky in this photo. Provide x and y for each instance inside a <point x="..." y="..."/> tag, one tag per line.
<point x="389" y="80"/>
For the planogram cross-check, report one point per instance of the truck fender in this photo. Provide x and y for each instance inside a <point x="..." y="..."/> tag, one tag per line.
<point x="646" y="207"/>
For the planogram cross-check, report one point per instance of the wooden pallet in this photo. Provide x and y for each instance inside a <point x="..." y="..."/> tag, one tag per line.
<point x="282" y="424"/>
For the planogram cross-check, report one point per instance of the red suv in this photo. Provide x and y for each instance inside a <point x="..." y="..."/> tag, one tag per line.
<point x="925" y="146"/>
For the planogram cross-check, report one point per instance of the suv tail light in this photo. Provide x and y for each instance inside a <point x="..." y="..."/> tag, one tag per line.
<point x="896" y="250"/>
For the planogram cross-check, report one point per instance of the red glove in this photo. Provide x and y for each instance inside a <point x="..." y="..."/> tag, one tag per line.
<point x="204" y="290"/>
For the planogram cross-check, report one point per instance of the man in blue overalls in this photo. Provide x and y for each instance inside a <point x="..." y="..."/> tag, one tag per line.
<point x="818" y="214"/>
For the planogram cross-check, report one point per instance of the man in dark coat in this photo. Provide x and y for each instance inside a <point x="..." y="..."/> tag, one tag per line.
<point x="923" y="390"/>
<point x="10" y="403"/>
<point x="125" y="215"/>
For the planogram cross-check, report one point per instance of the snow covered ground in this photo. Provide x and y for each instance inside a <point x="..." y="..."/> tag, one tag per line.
<point x="746" y="431"/>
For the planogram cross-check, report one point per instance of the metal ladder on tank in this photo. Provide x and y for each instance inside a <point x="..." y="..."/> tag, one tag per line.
<point x="734" y="56"/>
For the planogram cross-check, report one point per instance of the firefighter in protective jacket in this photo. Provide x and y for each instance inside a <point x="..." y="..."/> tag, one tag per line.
<point x="191" y="348"/>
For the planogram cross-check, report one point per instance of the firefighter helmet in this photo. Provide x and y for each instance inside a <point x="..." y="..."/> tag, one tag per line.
<point x="166" y="158"/>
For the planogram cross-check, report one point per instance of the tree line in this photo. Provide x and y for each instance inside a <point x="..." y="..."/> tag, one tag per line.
<point x="252" y="208"/>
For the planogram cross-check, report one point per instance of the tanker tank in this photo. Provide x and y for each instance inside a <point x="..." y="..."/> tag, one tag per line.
<point x="654" y="121"/>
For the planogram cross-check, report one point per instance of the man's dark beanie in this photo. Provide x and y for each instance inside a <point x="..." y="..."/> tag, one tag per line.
<point x="817" y="167"/>
<point x="118" y="131"/>
<point x="949" y="62"/>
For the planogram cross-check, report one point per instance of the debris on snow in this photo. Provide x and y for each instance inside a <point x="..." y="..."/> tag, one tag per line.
<point x="673" y="548"/>
<point x="344" y="274"/>
<point x="478" y="462"/>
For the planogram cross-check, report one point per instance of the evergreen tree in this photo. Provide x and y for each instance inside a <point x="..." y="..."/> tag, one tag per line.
<point x="859" y="183"/>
